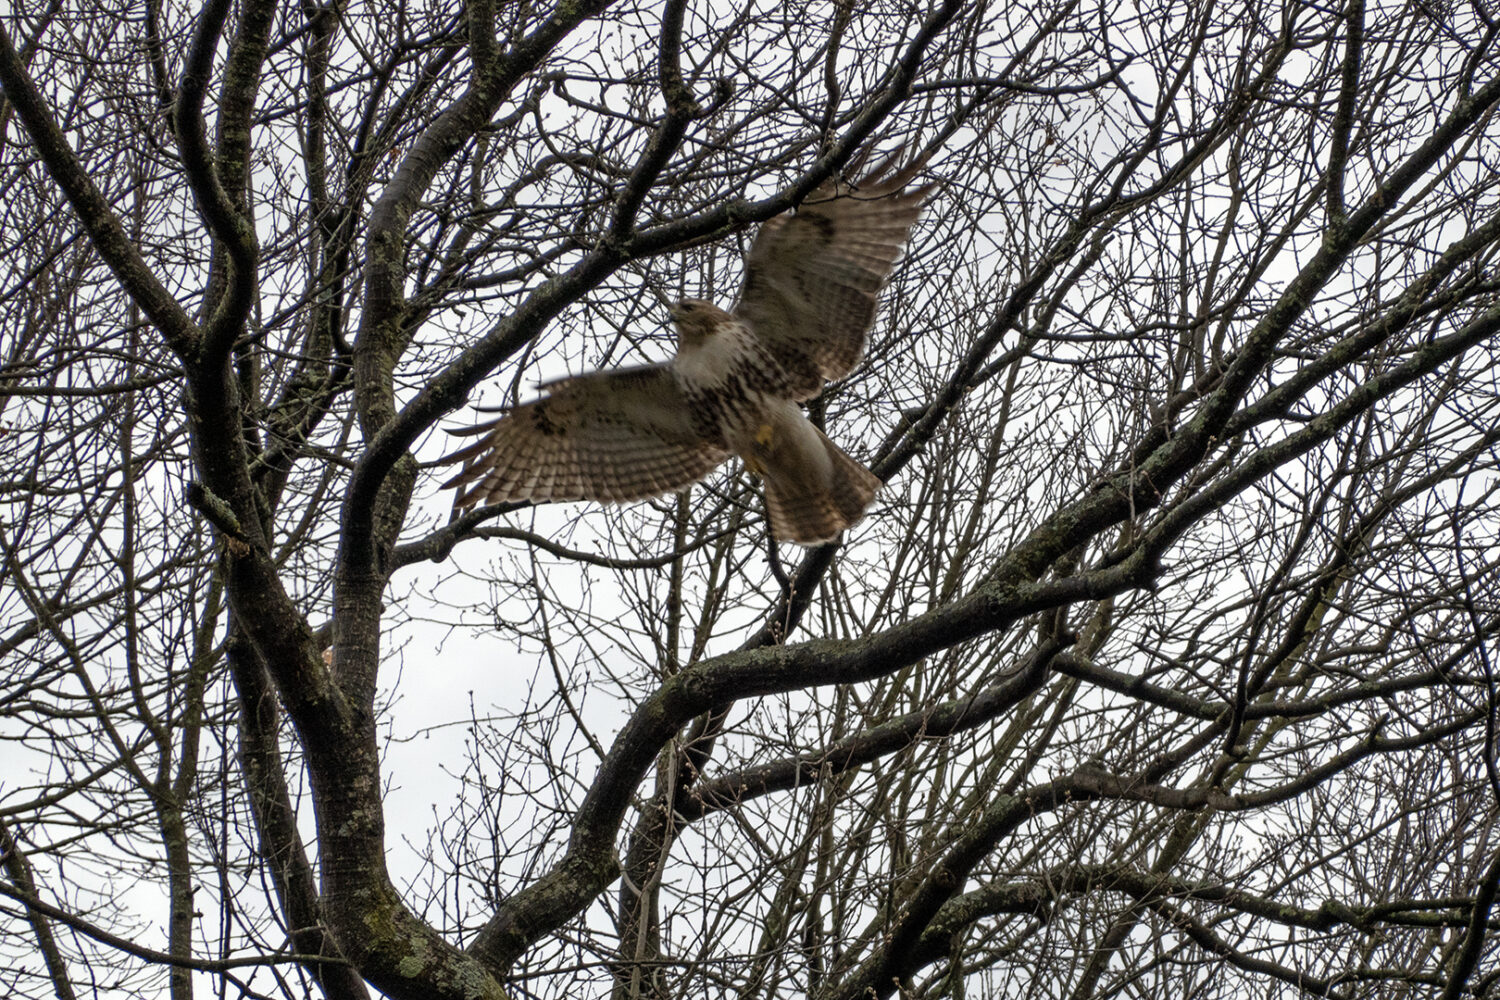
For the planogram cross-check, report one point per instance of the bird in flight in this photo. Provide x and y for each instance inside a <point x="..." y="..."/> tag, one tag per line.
<point x="811" y="282"/>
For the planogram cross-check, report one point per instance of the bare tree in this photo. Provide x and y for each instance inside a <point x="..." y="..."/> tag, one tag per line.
<point x="1164" y="663"/>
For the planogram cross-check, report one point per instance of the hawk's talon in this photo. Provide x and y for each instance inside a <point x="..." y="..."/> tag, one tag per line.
<point x="765" y="435"/>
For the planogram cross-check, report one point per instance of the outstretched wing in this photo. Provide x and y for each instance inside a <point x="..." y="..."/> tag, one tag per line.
<point x="812" y="277"/>
<point x="612" y="436"/>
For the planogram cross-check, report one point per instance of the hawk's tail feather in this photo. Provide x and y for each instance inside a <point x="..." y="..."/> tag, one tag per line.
<point x="811" y="513"/>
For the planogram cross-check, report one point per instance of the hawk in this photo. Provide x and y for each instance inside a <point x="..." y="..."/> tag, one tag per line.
<point x="811" y="282"/>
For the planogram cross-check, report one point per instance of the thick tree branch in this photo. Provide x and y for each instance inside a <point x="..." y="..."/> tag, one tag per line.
<point x="19" y="872"/>
<point x="226" y="220"/>
<point x="934" y="723"/>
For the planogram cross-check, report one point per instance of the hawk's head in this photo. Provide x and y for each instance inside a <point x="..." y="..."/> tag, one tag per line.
<point x="696" y="321"/>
